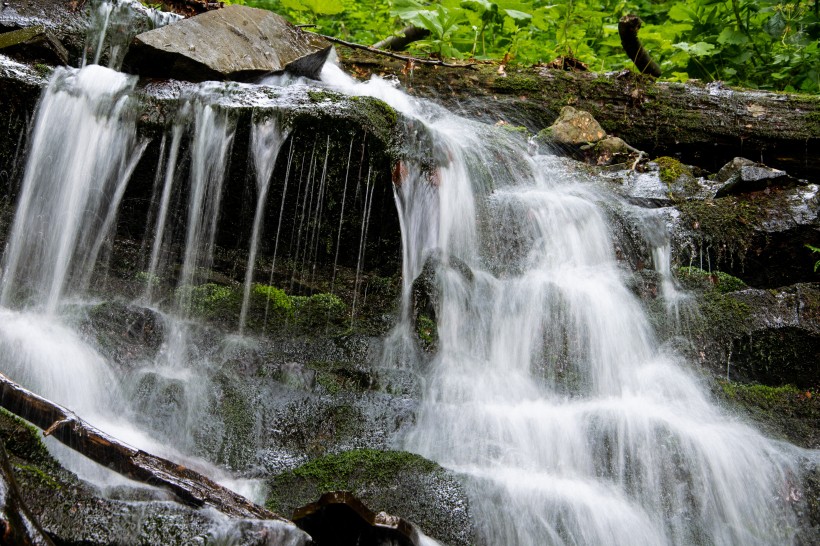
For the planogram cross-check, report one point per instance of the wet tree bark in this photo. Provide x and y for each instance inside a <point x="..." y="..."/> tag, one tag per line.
<point x="189" y="486"/>
<point x="628" y="28"/>
<point x="704" y="125"/>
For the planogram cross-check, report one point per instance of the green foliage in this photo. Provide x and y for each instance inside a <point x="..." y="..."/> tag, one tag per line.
<point x="815" y="250"/>
<point x="770" y="44"/>
<point x="278" y="302"/>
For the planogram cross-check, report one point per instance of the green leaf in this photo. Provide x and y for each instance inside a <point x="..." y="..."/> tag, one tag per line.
<point x="478" y="5"/>
<point x="680" y="12"/>
<point x="732" y="36"/>
<point x="518" y="16"/>
<point x="699" y="49"/>
<point x="324" y="7"/>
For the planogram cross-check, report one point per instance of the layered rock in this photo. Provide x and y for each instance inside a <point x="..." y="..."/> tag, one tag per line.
<point x="235" y="43"/>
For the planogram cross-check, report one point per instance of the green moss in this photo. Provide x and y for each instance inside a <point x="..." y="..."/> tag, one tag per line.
<point x="320" y="95"/>
<point x="785" y="411"/>
<point x="211" y="300"/>
<point x="336" y="376"/>
<point x="670" y="170"/>
<point x="725" y="225"/>
<point x="23" y="440"/>
<point x="427" y="331"/>
<point x="277" y="301"/>
<point x="350" y="471"/>
<point x="694" y="277"/>
<point x="237" y="440"/>
<point x="516" y="85"/>
<point x="724" y="313"/>
<point x="38" y="476"/>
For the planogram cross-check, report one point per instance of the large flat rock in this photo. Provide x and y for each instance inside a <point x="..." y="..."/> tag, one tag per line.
<point x="234" y="43"/>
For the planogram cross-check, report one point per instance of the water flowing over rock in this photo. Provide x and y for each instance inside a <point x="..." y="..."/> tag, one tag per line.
<point x="221" y="291"/>
<point x="236" y="43"/>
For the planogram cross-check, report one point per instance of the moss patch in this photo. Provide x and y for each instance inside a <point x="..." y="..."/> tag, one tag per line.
<point x="725" y="226"/>
<point x="694" y="278"/>
<point x="350" y="471"/>
<point x="784" y="411"/>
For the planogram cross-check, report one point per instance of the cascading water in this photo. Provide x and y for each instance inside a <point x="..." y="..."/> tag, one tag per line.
<point x="549" y="390"/>
<point x="267" y="138"/>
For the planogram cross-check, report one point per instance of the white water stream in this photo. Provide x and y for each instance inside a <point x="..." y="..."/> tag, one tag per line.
<point x="548" y="391"/>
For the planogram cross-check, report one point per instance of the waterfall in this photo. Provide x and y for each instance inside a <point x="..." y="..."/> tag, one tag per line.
<point x="83" y="150"/>
<point x="549" y="390"/>
<point x="267" y="138"/>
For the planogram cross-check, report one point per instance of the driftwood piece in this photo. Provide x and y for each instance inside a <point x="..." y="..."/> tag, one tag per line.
<point x="703" y="125"/>
<point x="189" y="486"/>
<point x="339" y="518"/>
<point x="17" y="526"/>
<point x="409" y="34"/>
<point x="628" y="27"/>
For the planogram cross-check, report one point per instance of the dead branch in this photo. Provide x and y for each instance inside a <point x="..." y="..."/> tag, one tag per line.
<point x="628" y="30"/>
<point x="189" y="486"/>
<point x="432" y="62"/>
<point x="409" y="34"/>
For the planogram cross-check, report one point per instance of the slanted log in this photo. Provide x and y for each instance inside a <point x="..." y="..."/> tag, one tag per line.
<point x="703" y="125"/>
<point x="189" y="486"/>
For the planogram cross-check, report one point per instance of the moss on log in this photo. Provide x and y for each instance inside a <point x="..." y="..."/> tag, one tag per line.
<point x="704" y="125"/>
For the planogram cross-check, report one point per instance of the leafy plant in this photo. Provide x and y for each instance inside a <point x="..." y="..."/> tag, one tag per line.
<point x="815" y="250"/>
<point x="770" y="44"/>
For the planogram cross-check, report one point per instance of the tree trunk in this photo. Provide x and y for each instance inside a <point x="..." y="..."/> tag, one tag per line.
<point x="189" y="486"/>
<point x="704" y="125"/>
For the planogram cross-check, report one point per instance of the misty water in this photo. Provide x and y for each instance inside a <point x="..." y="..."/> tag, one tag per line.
<point x="549" y="391"/>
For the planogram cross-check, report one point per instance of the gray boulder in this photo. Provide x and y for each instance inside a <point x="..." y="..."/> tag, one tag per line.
<point x="742" y="175"/>
<point x="233" y="43"/>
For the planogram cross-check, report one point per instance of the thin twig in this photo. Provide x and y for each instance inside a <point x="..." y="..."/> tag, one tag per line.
<point x="395" y="55"/>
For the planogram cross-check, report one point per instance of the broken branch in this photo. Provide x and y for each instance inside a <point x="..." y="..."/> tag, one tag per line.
<point x="189" y="486"/>
<point x="433" y="62"/>
<point x="628" y="27"/>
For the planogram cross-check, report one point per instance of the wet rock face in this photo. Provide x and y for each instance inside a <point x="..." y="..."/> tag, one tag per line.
<point x="758" y="237"/>
<point x="783" y="338"/>
<point x="744" y="176"/>
<point x="235" y="43"/>
<point x="397" y="482"/>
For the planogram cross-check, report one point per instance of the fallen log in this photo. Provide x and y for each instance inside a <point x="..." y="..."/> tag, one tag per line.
<point x="189" y="486"/>
<point x="702" y="124"/>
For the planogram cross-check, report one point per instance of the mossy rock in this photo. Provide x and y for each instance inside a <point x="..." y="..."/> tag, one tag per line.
<point x="694" y="278"/>
<point x="397" y="482"/>
<point x="786" y="411"/>
<point x="125" y="332"/>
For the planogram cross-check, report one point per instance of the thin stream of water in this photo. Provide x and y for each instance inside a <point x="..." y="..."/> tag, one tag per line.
<point x="267" y="138"/>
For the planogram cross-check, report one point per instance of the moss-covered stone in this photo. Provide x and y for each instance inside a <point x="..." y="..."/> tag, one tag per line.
<point x="400" y="483"/>
<point x="696" y="278"/>
<point x="785" y="411"/>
